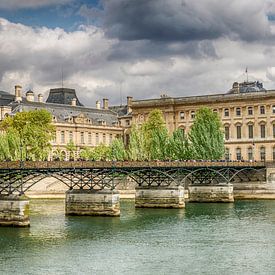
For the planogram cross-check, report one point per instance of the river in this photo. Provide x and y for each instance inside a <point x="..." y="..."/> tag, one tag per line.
<point x="233" y="238"/>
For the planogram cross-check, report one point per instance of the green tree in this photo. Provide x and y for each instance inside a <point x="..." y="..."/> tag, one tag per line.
<point x="136" y="147"/>
<point x="71" y="148"/>
<point x="34" y="130"/>
<point x="117" y="150"/>
<point x="206" y="136"/>
<point x="101" y="152"/>
<point x="155" y="136"/>
<point x="179" y="148"/>
<point x="86" y="153"/>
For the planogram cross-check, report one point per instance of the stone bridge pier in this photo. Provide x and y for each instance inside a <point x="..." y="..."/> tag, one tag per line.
<point x="14" y="211"/>
<point x="159" y="197"/>
<point x="85" y="202"/>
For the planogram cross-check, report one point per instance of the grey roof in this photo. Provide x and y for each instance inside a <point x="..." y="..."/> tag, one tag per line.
<point x="63" y="112"/>
<point x="120" y="110"/>
<point x="5" y="98"/>
<point x="62" y="96"/>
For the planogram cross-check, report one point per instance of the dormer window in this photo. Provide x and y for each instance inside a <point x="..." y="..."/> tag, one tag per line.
<point x="102" y="122"/>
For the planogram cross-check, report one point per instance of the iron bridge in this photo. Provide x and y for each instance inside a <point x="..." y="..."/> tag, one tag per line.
<point x="18" y="177"/>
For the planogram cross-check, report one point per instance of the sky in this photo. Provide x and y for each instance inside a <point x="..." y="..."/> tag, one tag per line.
<point x="140" y="48"/>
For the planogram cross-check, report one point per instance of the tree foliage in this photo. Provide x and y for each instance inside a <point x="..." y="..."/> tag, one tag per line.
<point x="206" y="136"/>
<point x="34" y="130"/>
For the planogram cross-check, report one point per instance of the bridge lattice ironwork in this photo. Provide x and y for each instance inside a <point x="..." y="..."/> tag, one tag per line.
<point x="19" y="177"/>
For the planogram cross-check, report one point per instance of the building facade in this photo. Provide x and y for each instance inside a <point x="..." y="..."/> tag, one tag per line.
<point x="247" y="113"/>
<point x="83" y="126"/>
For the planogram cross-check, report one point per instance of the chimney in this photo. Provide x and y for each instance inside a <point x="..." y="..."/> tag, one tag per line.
<point x="98" y="104"/>
<point x="129" y="104"/>
<point x="18" y="96"/>
<point x="73" y="102"/>
<point x="30" y="96"/>
<point x="40" y="98"/>
<point x="105" y="103"/>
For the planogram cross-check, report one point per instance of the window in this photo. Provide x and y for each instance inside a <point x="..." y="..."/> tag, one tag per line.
<point x="90" y="138"/>
<point x="250" y="111"/>
<point x="182" y="115"/>
<point x="62" y="136"/>
<point x="226" y="132"/>
<point x="226" y="112"/>
<point x="262" y="153"/>
<point x="127" y="122"/>
<point x="239" y="131"/>
<point x="238" y="154"/>
<point x="227" y="154"/>
<point x="110" y="138"/>
<point x="250" y="153"/>
<point x="273" y="153"/>
<point x="104" y="138"/>
<point x="96" y="138"/>
<point x="250" y="131"/>
<point x="273" y="128"/>
<point x="238" y="111"/>
<point x="82" y="137"/>
<point x="273" y="109"/>
<point x="193" y="114"/>
<point x="215" y="111"/>
<point x="71" y="136"/>
<point x="262" y="110"/>
<point x="262" y="127"/>
<point x="182" y="130"/>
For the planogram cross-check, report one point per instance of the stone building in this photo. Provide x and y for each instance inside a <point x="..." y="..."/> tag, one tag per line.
<point x="74" y="122"/>
<point x="247" y="112"/>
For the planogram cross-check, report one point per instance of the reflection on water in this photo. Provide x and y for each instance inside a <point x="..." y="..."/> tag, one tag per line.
<point x="234" y="238"/>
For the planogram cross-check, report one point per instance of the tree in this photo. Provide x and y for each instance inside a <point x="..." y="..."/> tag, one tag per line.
<point x="136" y="148"/>
<point x="206" y="136"/>
<point x="179" y="147"/>
<point x="117" y="150"/>
<point x="86" y="153"/>
<point x="34" y="130"/>
<point x="155" y="136"/>
<point x="71" y="148"/>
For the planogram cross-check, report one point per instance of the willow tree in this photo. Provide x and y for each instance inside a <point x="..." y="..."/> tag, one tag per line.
<point x="34" y="130"/>
<point x="206" y="136"/>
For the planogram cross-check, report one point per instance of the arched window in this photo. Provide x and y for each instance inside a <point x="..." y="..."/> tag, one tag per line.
<point x="262" y="153"/>
<point x="250" y="153"/>
<point x="238" y="154"/>
<point x="192" y="114"/>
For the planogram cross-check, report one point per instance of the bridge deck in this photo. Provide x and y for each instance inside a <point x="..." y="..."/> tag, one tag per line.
<point x="125" y="164"/>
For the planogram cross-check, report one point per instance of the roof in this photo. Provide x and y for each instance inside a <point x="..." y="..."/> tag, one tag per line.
<point x="62" y="96"/>
<point x="120" y="110"/>
<point x="5" y="98"/>
<point x="63" y="112"/>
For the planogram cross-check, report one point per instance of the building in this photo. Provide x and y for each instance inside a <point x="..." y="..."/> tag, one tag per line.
<point x="247" y="113"/>
<point x="85" y="127"/>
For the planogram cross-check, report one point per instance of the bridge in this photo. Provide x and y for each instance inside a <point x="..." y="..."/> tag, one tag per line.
<point x="92" y="184"/>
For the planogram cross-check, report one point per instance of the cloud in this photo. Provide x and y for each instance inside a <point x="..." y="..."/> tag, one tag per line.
<point x="186" y="20"/>
<point x="24" y="4"/>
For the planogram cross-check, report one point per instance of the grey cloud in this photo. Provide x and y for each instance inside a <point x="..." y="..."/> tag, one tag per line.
<point x="186" y="20"/>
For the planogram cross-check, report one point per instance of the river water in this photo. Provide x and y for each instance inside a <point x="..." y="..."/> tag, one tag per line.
<point x="237" y="238"/>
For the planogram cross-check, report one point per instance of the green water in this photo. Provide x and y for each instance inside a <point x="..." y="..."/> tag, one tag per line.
<point x="234" y="238"/>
